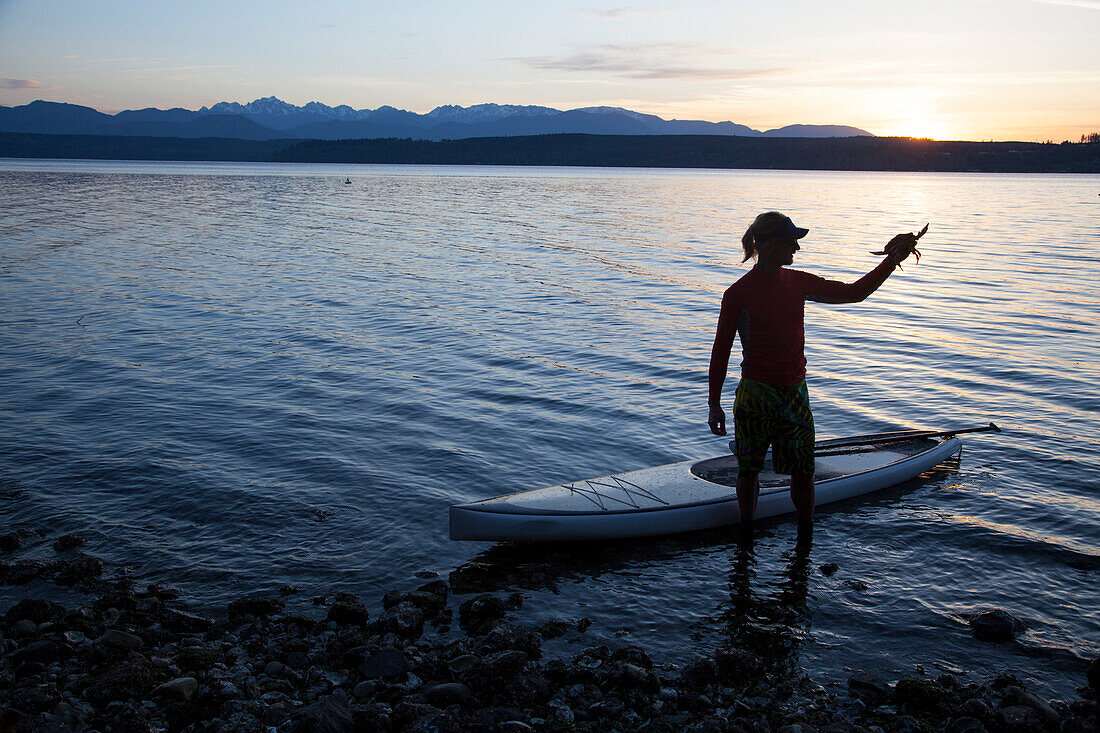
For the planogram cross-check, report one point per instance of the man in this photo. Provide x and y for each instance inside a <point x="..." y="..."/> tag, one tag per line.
<point x="771" y="406"/>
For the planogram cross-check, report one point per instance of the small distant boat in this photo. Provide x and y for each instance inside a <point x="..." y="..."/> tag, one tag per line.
<point x="694" y="495"/>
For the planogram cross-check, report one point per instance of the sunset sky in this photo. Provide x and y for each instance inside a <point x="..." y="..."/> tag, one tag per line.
<point x="958" y="69"/>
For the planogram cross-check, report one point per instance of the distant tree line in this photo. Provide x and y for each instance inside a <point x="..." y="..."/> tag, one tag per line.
<point x="662" y="151"/>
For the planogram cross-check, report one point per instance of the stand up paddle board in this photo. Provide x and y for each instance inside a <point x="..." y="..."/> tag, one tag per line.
<point x="694" y="495"/>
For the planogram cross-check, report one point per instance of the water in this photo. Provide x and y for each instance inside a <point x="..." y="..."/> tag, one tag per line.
<point x="233" y="377"/>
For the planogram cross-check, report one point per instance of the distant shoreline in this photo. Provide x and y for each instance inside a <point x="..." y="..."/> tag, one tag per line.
<point x="586" y="150"/>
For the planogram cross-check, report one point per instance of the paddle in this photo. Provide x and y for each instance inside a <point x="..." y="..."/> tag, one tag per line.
<point x="899" y="436"/>
<point x="895" y="437"/>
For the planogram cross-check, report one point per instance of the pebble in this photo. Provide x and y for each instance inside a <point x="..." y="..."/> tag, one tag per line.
<point x="995" y="624"/>
<point x="23" y="628"/>
<point x="388" y="662"/>
<point x="264" y="669"/>
<point x="122" y="640"/>
<point x="181" y="688"/>
<point x="448" y="693"/>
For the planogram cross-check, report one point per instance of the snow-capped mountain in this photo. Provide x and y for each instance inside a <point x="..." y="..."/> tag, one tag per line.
<point x="271" y="118"/>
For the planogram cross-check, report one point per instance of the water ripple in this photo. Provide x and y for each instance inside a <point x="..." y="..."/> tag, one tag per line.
<point x="235" y="377"/>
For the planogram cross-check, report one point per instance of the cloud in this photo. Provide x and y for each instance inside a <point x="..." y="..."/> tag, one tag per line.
<point x="1090" y="4"/>
<point x="616" y="13"/>
<point x="20" y="84"/>
<point x="649" y="61"/>
<point x="172" y="69"/>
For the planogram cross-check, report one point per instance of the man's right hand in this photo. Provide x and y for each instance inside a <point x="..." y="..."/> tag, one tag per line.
<point x="717" y="420"/>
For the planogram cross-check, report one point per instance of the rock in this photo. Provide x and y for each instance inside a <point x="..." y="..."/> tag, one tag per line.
<point x="975" y="707"/>
<point x="514" y="726"/>
<point x="529" y="690"/>
<point x="126" y="679"/>
<point x="1086" y="709"/>
<point x="1003" y="681"/>
<point x="920" y="695"/>
<point x="365" y="689"/>
<point x="181" y="688"/>
<point x="738" y="667"/>
<point x="869" y="683"/>
<point x="584" y="624"/>
<point x="404" y="619"/>
<point x="31" y="669"/>
<point x="330" y="714"/>
<point x="23" y="628"/>
<point x="561" y="710"/>
<point x="163" y="592"/>
<point x="121" y="640"/>
<point x="387" y="662"/>
<point x="175" y="620"/>
<point x="1019" y="696"/>
<point x="122" y="599"/>
<point x="460" y="664"/>
<point x="68" y="542"/>
<point x="274" y="668"/>
<point x="38" y="610"/>
<point x="255" y="606"/>
<point x="448" y="693"/>
<point x="506" y="664"/>
<point x="995" y="624"/>
<point x="829" y="569"/>
<point x="553" y="628"/>
<point x="130" y="717"/>
<point x="437" y="587"/>
<point x="478" y="615"/>
<point x="507" y="636"/>
<point x="196" y="659"/>
<point x="633" y="677"/>
<point x="593" y="657"/>
<point x="44" y="651"/>
<point x="22" y="571"/>
<point x="12" y="541"/>
<point x="344" y="613"/>
<point x="429" y="603"/>
<point x="699" y="673"/>
<point x="71" y="572"/>
<point x="965" y="724"/>
<point x="633" y="654"/>
<point x="1019" y="719"/>
<point x="1093" y="674"/>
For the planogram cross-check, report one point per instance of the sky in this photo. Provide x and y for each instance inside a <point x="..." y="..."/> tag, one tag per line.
<point x="959" y="69"/>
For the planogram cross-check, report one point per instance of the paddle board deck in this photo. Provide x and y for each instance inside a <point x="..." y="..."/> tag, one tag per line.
<point x="686" y="496"/>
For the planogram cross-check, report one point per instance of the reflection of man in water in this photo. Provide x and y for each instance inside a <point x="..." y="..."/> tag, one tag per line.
<point x="767" y="625"/>
<point x="771" y="406"/>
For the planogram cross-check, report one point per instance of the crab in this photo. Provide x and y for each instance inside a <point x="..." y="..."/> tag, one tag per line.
<point x="903" y="242"/>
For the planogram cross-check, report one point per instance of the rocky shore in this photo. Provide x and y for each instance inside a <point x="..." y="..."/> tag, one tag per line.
<point x="439" y="656"/>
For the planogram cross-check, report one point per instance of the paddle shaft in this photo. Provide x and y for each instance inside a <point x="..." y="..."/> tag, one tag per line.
<point x="897" y="437"/>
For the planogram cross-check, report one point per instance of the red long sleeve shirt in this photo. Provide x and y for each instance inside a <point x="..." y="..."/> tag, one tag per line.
<point x="767" y="309"/>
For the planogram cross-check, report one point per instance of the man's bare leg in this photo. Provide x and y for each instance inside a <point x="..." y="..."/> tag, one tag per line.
<point x="802" y="495"/>
<point x="748" y="489"/>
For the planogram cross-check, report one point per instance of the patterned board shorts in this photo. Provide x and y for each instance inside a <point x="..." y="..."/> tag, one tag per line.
<point x="765" y="415"/>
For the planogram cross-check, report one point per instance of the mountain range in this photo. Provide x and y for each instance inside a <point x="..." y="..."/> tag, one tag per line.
<point x="270" y="118"/>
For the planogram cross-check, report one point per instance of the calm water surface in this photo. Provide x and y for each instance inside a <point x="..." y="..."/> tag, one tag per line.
<point x="233" y="377"/>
